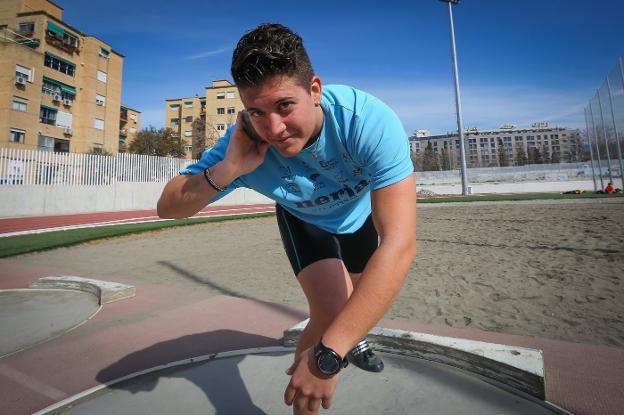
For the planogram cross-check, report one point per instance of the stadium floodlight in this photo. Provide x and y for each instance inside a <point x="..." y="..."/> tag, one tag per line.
<point x="460" y="123"/>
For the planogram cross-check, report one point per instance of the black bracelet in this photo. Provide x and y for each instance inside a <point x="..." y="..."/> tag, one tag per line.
<point x="211" y="182"/>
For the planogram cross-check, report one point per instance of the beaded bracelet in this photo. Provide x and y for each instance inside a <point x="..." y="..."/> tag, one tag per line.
<point x="211" y="182"/>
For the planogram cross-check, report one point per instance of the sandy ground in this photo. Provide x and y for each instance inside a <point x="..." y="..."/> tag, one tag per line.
<point x="546" y="269"/>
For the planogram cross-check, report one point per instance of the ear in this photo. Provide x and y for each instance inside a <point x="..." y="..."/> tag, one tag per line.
<point x="316" y="88"/>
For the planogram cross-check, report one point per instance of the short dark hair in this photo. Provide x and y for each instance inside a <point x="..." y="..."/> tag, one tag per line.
<point x="268" y="50"/>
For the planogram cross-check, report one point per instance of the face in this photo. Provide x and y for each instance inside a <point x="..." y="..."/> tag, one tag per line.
<point x="284" y="113"/>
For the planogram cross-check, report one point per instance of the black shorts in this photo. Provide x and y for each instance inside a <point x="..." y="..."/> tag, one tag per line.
<point x="305" y="243"/>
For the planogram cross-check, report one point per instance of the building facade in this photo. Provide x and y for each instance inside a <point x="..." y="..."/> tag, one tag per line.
<point x="60" y="89"/>
<point x="129" y="126"/>
<point x="507" y="145"/>
<point x="218" y="109"/>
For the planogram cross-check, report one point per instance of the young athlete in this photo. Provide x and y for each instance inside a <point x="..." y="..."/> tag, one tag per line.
<point x="337" y="163"/>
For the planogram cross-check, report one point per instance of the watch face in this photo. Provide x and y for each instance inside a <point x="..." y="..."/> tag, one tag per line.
<point x="328" y="364"/>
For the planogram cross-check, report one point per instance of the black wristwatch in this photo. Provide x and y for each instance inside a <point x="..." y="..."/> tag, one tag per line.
<point x="327" y="360"/>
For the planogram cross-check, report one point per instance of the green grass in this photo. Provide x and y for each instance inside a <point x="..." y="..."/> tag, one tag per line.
<point x="511" y="197"/>
<point x="17" y="245"/>
<point x="22" y="244"/>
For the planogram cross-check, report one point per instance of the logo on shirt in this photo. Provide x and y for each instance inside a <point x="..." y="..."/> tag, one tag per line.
<point x="335" y="198"/>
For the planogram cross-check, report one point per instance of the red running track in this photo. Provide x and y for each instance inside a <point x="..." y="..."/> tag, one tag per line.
<point x="11" y="226"/>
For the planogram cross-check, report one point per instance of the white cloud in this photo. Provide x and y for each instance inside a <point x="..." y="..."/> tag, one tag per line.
<point x="431" y="106"/>
<point x="208" y="53"/>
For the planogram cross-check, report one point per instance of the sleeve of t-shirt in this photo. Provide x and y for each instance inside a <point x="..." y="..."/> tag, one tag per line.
<point x="209" y="158"/>
<point x="382" y="147"/>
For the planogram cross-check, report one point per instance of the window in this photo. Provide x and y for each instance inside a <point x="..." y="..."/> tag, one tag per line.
<point x="188" y="134"/>
<point x="98" y="124"/>
<point x="24" y="72"/>
<point x="17" y="136"/>
<point x="70" y="40"/>
<point x="175" y="121"/>
<point x="133" y="117"/>
<point x="47" y="115"/>
<point x="188" y="149"/>
<point x="54" y="88"/>
<point x="188" y="104"/>
<point x="230" y="95"/>
<point x="45" y="143"/>
<point x="220" y="127"/>
<point x="26" y="28"/>
<point x="188" y="119"/>
<point x="20" y="104"/>
<point x="231" y="110"/>
<point x="174" y="107"/>
<point x="59" y="64"/>
<point x="220" y="111"/>
<point x="105" y="53"/>
<point x="100" y="100"/>
<point x="133" y="130"/>
<point x="220" y="95"/>
<point x="101" y="76"/>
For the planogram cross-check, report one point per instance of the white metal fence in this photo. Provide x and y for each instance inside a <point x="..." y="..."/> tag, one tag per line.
<point x="28" y="167"/>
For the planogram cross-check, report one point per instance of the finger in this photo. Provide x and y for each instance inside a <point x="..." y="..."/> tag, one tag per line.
<point x="314" y="404"/>
<point x="290" y="370"/>
<point x="326" y="403"/>
<point x="301" y="402"/>
<point x="289" y="395"/>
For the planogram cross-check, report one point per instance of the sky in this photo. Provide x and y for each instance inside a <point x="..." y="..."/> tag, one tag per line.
<point x="520" y="62"/>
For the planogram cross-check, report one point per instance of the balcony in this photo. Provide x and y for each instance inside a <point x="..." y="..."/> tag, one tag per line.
<point x="25" y="39"/>
<point x="61" y="39"/>
<point x="123" y="133"/>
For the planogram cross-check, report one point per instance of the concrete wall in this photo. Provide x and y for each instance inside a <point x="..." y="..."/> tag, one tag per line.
<point x="38" y="200"/>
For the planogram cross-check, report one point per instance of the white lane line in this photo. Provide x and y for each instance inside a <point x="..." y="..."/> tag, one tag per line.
<point x="32" y="384"/>
<point x="145" y="219"/>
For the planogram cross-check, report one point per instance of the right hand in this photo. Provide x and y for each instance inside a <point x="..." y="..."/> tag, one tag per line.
<point x="243" y="154"/>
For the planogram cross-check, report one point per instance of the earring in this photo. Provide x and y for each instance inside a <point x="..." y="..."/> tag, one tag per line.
<point x="316" y="104"/>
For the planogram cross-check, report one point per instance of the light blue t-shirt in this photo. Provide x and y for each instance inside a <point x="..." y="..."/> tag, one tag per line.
<point x="362" y="147"/>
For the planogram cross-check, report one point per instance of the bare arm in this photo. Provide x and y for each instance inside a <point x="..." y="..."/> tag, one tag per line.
<point x="186" y="195"/>
<point x="394" y="214"/>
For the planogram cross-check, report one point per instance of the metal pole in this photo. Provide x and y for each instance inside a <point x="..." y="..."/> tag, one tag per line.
<point x="615" y="131"/>
<point x="591" y="151"/>
<point x="591" y="112"/>
<point x="460" y="123"/>
<point x="604" y="135"/>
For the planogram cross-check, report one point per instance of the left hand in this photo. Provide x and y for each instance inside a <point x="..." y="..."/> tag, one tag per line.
<point x="308" y="387"/>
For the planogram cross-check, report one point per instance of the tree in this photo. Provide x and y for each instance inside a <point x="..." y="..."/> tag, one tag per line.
<point x="430" y="159"/>
<point x="534" y="156"/>
<point x="153" y="142"/>
<point x="546" y="154"/>
<point x="503" y="160"/>
<point x="556" y="157"/>
<point x="521" y="155"/>
<point x="199" y="137"/>
<point x="445" y="158"/>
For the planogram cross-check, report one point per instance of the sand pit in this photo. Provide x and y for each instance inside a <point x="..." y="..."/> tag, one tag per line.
<point x="550" y="269"/>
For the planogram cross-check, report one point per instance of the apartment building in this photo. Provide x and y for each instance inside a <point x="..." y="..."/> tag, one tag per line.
<point x="483" y="147"/>
<point x="218" y="109"/>
<point x="129" y="125"/>
<point x="180" y="114"/>
<point x="60" y="89"/>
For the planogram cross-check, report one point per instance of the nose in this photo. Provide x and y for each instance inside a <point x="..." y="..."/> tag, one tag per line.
<point x="276" y="125"/>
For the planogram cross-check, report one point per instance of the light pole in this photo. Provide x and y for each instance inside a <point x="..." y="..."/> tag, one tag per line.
<point x="460" y="123"/>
